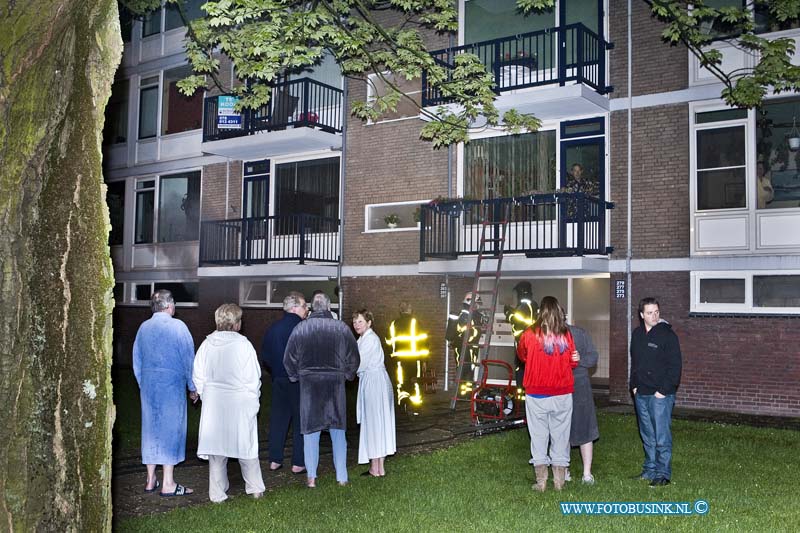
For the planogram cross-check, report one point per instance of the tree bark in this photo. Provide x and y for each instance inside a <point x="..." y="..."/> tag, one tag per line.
<point x="57" y="62"/>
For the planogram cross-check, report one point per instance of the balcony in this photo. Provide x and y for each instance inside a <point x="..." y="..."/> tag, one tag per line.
<point x="270" y="246"/>
<point x="565" y="65"/>
<point x="302" y="115"/>
<point x="540" y="226"/>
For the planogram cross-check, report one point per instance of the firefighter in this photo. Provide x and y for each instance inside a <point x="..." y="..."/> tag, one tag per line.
<point x="409" y="345"/>
<point x="521" y="318"/>
<point x="457" y="327"/>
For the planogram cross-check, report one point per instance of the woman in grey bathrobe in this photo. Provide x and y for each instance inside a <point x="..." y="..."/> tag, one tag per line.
<point x="583" y="430"/>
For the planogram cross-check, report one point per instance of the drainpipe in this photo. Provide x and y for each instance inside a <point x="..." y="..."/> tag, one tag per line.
<point x="227" y="185"/>
<point x="342" y="189"/>
<point x="447" y="276"/>
<point x="629" y="245"/>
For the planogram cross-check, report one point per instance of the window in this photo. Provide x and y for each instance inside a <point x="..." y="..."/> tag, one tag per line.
<point x="125" y="22"/>
<point x="306" y="187"/>
<point x="115" y="198"/>
<point x="270" y="293"/>
<point x="256" y="189"/>
<point x="116" y="126"/>
<point x="178" y="112"/>
<point x="721" y="167"/>
<point x="776" y="291"/>
<point x="392" y="216"/>
<point x="408" y="105"/>
<point x="722" y="291"/>
<point x="145" y="205"/>
<point x="777" y="164"/>
<point x="511" y="165"/>
<point x="746" y="292"/>
<point x="179" y="207"/>
<point x="151" y="24"/>
<point x="119" y="293"/>
<point x="491" y="19"/>
<point x="185" y="293"/>
<point x="148" y="107"/>
<point x="178" y="214"/>
<point x="191" y="10"/>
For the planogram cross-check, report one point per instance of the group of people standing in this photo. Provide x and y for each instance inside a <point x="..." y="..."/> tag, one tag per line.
<point x="309" y="357"/>
<point x="559" y="407"/>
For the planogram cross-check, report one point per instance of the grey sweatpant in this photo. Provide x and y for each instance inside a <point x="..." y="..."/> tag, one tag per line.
<point x="549" y="418"/>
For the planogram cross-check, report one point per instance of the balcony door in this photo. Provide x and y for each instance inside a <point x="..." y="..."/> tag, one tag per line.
<point x="255" y="208"/>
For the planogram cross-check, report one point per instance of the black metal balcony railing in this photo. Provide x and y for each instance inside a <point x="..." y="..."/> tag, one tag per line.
<point x="541" y="225"/>
<point x="245" y="241"/>
<point x="298" y="103"/>
<point x="545" y="57"/>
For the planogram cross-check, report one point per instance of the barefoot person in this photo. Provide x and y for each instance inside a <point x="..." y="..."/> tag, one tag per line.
<point x="375" y="405"/>
<point x="163" y="353"/>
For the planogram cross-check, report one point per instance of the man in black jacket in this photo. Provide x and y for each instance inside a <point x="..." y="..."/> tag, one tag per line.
<point x="655" y="375"/>
<point x="285" y="407"/>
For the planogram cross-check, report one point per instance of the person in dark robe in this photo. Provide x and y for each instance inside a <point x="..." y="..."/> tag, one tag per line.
<point x="322" y="354"/>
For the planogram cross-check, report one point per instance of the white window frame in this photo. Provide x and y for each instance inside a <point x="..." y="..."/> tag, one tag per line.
<point x="371" y="98"/>
<point x="130" y="292"/>
<point x="157" y="192"/>
<point x="266" y="304"/>
<point x="749" y="160"/>
<point x="140" y="86"/>
<point x="747" y="307"/>
<point x="369" y="207"/>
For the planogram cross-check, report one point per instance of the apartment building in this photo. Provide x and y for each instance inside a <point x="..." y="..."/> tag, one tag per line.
<point x="300" y="195"/>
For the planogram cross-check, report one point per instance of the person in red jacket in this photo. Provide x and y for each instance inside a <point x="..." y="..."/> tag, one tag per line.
<point x="549" y="355"/>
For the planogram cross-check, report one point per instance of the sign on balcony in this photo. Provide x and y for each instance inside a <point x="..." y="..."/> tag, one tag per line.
<point x="227" y="118"/>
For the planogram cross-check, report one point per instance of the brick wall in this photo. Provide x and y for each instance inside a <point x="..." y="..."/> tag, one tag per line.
<point x="747" y="365"/>
<point x="387" y="162"/>
<point x="658" y="66"/>
<point x="660" y="182"/>
<point x="214" y="191"/>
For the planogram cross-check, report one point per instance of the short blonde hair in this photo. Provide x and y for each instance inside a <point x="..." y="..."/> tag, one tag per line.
<point x="227" y="316"/>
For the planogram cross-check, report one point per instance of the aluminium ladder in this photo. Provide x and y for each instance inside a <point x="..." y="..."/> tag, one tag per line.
<point x="468" y="371"/>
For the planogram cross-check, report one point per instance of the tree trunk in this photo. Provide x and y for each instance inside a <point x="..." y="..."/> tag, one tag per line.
<point x="57" y="62"/>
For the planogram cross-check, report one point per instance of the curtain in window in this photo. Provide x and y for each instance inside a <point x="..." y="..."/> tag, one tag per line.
<point x="513" y="165"/>
<point x="310" y="187"/>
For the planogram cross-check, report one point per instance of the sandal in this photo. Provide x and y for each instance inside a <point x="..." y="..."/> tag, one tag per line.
<point x="180" y="490"/>
<point x="155" y="488"/>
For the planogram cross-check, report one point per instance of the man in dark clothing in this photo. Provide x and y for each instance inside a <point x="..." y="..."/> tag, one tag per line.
<point x="322" y="354"/>
<point x="655" y="375"/>
<point x="285" y="408"/>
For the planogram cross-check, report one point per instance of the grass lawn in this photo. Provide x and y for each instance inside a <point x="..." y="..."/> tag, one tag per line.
<point x="745" y="474"/>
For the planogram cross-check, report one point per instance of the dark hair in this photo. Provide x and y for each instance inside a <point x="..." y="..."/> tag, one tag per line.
<point x="647" y="301"/>
<point x="365" y="313"/>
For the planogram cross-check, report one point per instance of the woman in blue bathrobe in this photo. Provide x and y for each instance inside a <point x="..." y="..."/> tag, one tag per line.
<point x="163" y="355"/>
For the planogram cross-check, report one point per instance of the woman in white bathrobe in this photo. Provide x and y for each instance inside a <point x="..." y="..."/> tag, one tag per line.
<point x="375" y="404"/>
<point x="228" y="378"/>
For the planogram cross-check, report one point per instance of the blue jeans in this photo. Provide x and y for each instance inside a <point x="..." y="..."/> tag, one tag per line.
<point x="311" y="451"/>
<point x="655" y="416"/>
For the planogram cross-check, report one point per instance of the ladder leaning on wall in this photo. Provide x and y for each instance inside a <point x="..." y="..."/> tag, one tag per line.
<point x="494" y="219"/>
